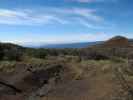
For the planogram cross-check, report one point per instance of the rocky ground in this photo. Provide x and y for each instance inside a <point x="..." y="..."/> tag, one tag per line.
<point x="89" y="80"/>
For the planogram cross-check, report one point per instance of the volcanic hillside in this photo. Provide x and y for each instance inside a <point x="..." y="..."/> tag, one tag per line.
<point x="117" y="41"/>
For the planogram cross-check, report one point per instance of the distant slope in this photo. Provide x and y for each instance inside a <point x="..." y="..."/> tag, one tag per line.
<point x="117" y="41"/>
<point x="10" y="46"/>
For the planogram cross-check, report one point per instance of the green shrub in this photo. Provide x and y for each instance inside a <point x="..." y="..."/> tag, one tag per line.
<point x="13" y="54"/>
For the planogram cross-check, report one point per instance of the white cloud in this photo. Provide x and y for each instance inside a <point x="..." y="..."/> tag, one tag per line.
<point x="80" y="12"/>
<point x="88" y="14"/>
<point x="90" y="1"/>
<point x="84" y="1"/>
<point x="89" y="25"/>
<point x="11" y="13"/>
<point x="24" y="17"/>
<point x="50" y="16"/>
<point x="67" y="38"/>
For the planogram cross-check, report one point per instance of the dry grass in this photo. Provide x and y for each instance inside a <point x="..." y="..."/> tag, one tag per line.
<point x="7" y="66"/>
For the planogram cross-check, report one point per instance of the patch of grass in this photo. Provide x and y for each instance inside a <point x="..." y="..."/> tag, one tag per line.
<point x="7" y="66"/>
<point x="118" y="59"/>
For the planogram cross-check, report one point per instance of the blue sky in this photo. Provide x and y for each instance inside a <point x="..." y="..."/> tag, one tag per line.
<point x="64" y="21"/>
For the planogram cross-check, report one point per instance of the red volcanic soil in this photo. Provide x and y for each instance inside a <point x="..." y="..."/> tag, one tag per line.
<point x="117" y="41"/>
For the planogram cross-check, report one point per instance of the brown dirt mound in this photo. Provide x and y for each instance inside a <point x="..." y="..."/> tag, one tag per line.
<point x="117" y="41"/>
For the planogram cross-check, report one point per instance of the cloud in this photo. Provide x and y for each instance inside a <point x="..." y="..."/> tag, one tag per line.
<point x="83" y="16"/>
<point x="27" y="17"/>
<point x="85" y="13"/>
<point x="82" y="1"/>
<point x="89" y="25"/>
<point x="88" y="13"/>
<point x="87" y="17"/>
<point x="92" y="1"/>
<point x="62" y="38"/>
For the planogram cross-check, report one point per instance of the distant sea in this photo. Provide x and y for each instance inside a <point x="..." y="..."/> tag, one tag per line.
<point x="65" y="45"/>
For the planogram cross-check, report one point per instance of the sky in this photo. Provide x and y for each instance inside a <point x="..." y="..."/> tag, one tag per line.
<point x="64" y="21"/>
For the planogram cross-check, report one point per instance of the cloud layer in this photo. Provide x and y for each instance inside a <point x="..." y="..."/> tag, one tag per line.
<point x="91" y="1"/>
<point x="75" y="37"/>
<point x="26" y="17"/>
<point x="49" y="16"/>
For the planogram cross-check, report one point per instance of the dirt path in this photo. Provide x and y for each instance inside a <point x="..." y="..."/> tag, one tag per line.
<point x="96" y="88"/>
